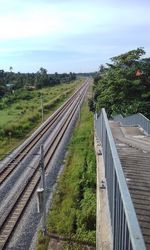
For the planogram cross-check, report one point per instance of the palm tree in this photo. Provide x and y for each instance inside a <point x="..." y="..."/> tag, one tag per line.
<point x="10" y="68"/>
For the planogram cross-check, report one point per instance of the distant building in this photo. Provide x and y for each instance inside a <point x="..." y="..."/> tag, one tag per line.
<point x="10" y="86"/>
<point x="30" y="87"/>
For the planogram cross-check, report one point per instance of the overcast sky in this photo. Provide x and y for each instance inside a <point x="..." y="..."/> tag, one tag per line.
<point x="70" y="35"/>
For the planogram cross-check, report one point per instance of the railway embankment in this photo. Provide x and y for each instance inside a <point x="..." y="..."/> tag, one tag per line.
<point x="21" y="219"/>
<point x="72" y="217"/>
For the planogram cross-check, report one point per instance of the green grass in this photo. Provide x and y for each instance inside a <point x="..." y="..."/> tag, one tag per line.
<point x="73" y="211"/>
<point x="20" y="113"/>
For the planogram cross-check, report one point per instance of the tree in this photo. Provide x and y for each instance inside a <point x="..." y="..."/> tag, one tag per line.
<point x="10" y="68"/>
<point x="43" y="71"/>
<point x="2" y="89"/>
<point x="119" y="90"/>
<point x="42" y="78"/>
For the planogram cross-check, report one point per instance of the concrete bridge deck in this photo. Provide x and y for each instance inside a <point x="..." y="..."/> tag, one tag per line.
<point x="133" y="147"/>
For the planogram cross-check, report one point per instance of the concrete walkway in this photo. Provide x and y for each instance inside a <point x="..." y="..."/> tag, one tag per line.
<point x="103" y="227"/>
<point x="133" y="147"/>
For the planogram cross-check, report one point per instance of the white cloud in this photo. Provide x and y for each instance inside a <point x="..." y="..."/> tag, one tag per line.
<point x="28" y="25"/>
<point x="34" y="19"/>
<point x="94" y="29"/>
<point x="49" y="19"/>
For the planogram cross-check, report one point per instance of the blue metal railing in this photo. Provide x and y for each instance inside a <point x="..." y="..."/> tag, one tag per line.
<point x="136" y="119"/>
<point x="125" y="228"/>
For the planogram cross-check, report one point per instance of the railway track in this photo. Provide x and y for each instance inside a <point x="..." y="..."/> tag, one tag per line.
<point x="18" y="157"/>
<point x="17" y="208"/>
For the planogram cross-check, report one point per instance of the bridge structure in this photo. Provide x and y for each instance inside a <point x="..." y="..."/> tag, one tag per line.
<point x="123" y="182"/>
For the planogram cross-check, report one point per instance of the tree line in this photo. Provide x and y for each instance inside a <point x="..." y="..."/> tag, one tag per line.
<point x="11" y="81"/>
<point x="123" y="86"/>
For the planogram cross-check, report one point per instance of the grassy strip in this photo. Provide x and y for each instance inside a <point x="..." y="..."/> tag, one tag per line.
<point x="73" y="211"/>
<point x="21" y="113"/>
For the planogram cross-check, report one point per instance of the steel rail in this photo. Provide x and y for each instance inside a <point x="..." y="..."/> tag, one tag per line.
<point x="9" y="224"/>
<point x="13" y="163"/>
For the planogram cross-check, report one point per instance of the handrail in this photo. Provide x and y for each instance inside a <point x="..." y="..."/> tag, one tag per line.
<point x="125" y="227"/>
<point x="136" y="119"/>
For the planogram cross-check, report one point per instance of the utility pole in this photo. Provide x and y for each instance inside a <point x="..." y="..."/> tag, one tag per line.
<point x="42" y="108"/>
<point x="79" y="113"/>
<point x="79" y="107"/>
<point x="43" y="186"/>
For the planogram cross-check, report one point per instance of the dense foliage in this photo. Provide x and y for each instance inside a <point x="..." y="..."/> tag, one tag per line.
<point x="123" y="87"/>
<point x="10" y="81"/>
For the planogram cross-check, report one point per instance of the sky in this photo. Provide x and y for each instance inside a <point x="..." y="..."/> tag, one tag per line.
<point x="70" y="35"/>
